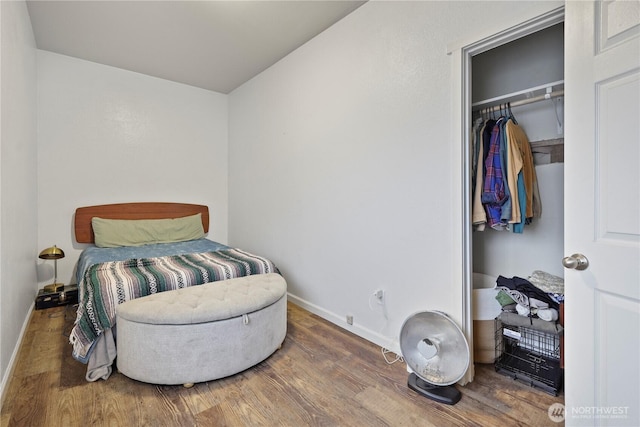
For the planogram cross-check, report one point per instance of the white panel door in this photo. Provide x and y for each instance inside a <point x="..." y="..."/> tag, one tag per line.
<point x="602" y="212"/>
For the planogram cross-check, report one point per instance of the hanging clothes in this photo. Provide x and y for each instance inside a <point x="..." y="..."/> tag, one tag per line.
<point x="514" y="172"/>
<point x="505" y="211"/>
<point x="478" y="214"/>
<point x="533" y="202"/>
<point x="493" y="193"/>
<point x="504" y="183"/>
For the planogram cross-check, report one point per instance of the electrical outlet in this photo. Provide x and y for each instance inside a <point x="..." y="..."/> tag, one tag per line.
<point x="379" y="294"/>
<point x="349" y="319"/>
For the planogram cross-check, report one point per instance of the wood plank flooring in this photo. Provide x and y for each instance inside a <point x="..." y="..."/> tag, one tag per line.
<point x="322" y="376"/>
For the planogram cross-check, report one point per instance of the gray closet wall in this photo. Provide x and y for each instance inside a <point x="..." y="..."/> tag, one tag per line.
<point x="529" y="62"/>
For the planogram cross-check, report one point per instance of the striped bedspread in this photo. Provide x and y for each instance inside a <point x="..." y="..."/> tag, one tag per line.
<point x="105" y="285"/>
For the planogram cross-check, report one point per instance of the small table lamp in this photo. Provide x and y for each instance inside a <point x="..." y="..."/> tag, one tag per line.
<point x="54" y="253"/>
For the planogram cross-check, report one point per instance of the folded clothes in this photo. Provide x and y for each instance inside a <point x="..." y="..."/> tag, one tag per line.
<point x="547" y="282"/>
<point x="504" y="299"/>
<point x="523" y="300"/>
<point x="530" y="322"/>
<point x="548" y="314"/>
<point x="559" y="298"/>
<point x="534" y="302"/>
<point x="527" y="291"/>
<point x="510" y="308"/>
<point x="523" y="311"/>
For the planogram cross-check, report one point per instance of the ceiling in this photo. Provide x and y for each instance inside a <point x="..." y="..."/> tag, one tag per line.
<point x="214" y="45"/>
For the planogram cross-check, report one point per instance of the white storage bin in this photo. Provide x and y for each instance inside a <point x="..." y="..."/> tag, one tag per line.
<point x="485" y="309"/>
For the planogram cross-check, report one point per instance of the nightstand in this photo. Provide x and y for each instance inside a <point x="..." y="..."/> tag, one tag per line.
<point x="68" y="295"/>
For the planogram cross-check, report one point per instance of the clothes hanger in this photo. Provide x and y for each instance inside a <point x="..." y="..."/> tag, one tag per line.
<point x="511" y="116"/>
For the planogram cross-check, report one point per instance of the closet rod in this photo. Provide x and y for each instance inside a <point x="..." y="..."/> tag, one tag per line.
<point x="526" y="101"/>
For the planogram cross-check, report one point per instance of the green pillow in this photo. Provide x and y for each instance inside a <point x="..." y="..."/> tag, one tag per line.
<point x="112" y="233"/>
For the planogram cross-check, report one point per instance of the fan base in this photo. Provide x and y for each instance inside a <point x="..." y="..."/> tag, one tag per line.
<point x="449" y="394"/>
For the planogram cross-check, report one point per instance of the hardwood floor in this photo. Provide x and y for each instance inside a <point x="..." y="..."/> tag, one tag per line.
<point x="322" y="376"/>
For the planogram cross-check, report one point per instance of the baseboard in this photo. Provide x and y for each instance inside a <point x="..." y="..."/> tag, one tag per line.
<point x="9" y="372"/>
<point x="339" y="320"/>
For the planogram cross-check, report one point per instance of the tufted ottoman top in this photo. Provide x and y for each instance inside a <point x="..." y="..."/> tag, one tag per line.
<point x="206" y="303"/>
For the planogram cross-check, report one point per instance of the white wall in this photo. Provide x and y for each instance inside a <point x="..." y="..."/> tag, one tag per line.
<point x="339" y="157"/>
<point x="18" y="203"/>
<point x="342" y="166"/>
<point x="106" y="135"/>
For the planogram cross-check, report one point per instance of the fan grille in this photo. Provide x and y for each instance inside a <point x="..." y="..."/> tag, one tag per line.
<point x="434" y="348"/>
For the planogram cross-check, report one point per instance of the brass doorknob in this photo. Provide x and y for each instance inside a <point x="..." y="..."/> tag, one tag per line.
<point x="576" y="262"/>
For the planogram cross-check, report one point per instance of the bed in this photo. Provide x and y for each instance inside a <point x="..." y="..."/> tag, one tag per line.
<point x="139" y="249"/>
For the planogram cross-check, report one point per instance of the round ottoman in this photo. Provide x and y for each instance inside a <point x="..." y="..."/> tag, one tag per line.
<point x="201" y="333"/>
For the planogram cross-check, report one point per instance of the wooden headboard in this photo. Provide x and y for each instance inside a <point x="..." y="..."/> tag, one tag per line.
<point x="143" y="210"/>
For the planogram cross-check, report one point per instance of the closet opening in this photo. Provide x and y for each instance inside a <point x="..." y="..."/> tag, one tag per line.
<point x="519" y="87"/>
<point x="514" y="79"/>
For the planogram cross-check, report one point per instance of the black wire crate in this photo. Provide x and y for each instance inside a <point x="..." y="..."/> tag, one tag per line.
<point x="529" y="355"/>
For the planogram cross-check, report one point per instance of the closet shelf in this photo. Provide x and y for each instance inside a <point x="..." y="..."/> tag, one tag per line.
<point x="548" y="151"/>
<point x="522" y="97"/>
